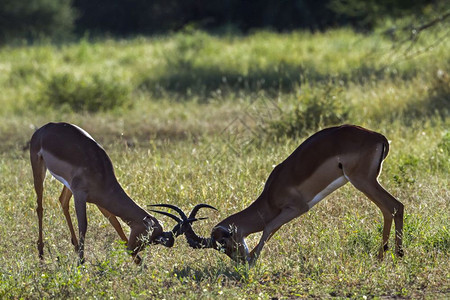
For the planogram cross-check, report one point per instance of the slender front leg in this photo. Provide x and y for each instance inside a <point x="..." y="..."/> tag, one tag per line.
<point x="286" y="215"/>
<point x="80" y="208"/>
<point x="114" y="222"/>
<point x="135" y="244"/>
<point x="64" y="199"/>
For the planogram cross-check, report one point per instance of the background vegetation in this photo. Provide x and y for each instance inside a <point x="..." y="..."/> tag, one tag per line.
<point x="195" y="117"/>
<point x="28" y="21"/>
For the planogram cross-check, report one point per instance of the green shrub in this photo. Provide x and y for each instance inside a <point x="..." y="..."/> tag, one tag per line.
<point x="316" y="108"/>
<point x="35" y="19"/>
<point x="24" y="73"/>
<point x="89" y="93"/>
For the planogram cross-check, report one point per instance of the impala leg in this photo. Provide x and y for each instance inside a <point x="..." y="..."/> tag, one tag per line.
<point x="386" y="231"/>
<point x="40" y="213"/>
<point x="134" y="246"/>
<point x="391" y="208"/>
<point x="286" y="215"/>
<point x="273" y="232"/>
<point x="64" y="199"/>
<point x="80" y="208"/>
<point x="115" y="223"/>
<point x="398" y="218"/>
<point x="39" y="168"/>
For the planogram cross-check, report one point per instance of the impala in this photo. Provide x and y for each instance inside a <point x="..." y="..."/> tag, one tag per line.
<point x="74" y="158"/>
<point x="323" y="163"/>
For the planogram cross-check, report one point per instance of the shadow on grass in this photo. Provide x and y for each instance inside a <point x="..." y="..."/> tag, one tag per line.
<point x="203" y="81"/>
<point x="185" y="80"/>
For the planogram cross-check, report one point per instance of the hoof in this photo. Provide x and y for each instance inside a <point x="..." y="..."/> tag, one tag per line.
<point x="137" y="260"/>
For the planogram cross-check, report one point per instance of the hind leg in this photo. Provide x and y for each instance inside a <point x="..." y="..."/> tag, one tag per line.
<point x="391" y="208"/>
<point x="398" y="218"/>
<point x="386" y="231"/>
<point x="363" y="176"/>
<point x="39" y="168"/>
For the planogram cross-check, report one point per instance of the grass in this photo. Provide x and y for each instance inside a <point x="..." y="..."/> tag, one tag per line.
<point x="205" y="120"/>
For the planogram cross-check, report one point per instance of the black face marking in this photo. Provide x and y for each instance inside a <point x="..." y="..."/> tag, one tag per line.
<point x="340" y="166"/>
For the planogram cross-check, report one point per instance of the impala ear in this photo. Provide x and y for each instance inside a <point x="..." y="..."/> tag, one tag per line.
<point x="148" y="222"/>
<point x="220" y="233"/>
<point x="227" y="233"/>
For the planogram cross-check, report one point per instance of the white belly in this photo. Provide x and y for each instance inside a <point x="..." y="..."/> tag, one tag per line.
<point x="328" y="190"/>
<point x="60" y="179"/>
<point x="59" y="169"/>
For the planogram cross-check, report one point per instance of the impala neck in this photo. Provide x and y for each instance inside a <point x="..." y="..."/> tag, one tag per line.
<point x="124" y="207"/>
<point x="253" y="218"/>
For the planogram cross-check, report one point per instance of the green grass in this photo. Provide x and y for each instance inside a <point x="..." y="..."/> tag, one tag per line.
<point x="205" y="119"/>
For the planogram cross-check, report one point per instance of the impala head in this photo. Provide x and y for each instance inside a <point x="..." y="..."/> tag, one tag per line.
<point x="154" y="233"/>
<point x="224" y="238"/>
<point x="167" y="238"/>
<point x="228" y="240"/>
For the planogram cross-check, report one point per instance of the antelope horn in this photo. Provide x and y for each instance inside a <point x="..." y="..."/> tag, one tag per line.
<point x="184" y="224"/>
<point x="192" y="238"/>
<point x="176" y="208"/>
<point x="197" y="208"/>
<point x="177" y="230"/>
<point x="178" y="220"/>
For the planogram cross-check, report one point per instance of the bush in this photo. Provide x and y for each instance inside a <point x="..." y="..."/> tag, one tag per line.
<point x="317" y="108"/>
<point x="29" y="20"/>
<point x="366" y="14"/>
<point x="90" y="93"/>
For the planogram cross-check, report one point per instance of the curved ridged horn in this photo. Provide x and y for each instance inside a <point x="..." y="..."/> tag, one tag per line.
<point x="184" y="224"/>
<point x="195" y="210"/>
<point x="192" y="238"/>
<point x="167" y="214"/>
<point x="177" y="230"/>
<point x="175" y="208"/>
